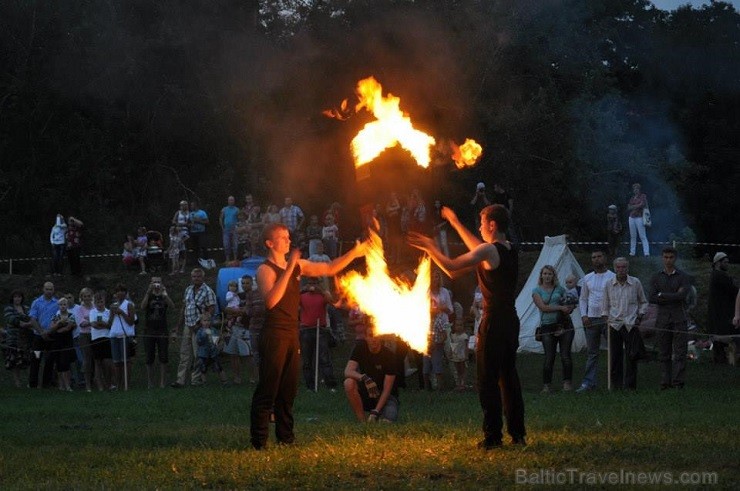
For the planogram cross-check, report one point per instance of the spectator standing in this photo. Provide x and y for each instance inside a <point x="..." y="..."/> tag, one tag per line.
<point x="335" y="210"/>
<point x="173" y="251"/>
<point x="100" y="335"/>
<point x="198" y="224"/>
<point x="18" y="335"/>
<point x="254" y="221"/>
<point x="668" y="290"/>
<point x="60" y="331"/>
<point x="42" y="311"/>
<point x="625" y="305"/>
<point x="440" y="308"/>
<point x="459" y="349"/>
<point x="84" y="338"/>
<point x="181" y="217"/>
<point x="370" y="380"/>
<point x="313" y="304"/>
<point x="58" y="239"/>
<point x="237" y="314"/>
<point x="253" y="298"/>
<point x="330" y="237"/>
<point x="613" y="229"/>
<point x="292" y="217"/>
<point x="497" y="265"/>
<point x="591" y="306"/>
<point x="74" y="244"/>
<point x="721" y="305"/>
<point x="197" y="299"/>
<point x="249" y="204"/>
<point x="548" y="296"/>
<point x="141" y="247"/>
<point x="227" y="219"/>
<point x="272" y="215"/>
<point x="122" y="332"/>
<point x="207" y="349"/>
<point x="278" y="280"/>
<point x="313" y="234"/>
<point x="637" y="203"/>
<point x="241" y="229"/>
<point x="155" y="304"/>
<point x="479" y="201"/>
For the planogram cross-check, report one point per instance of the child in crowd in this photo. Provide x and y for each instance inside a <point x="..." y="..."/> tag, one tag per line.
<point x="174" y="250"/>
<point x="330" y="236"/>
<point x="459" y="348"/>
<point x="208" y="348"/>
<point x="571" y="291"/>
<point x="100" y="320"/>
<point x="232" y="296"/>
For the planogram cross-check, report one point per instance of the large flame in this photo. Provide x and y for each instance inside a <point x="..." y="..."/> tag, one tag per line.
<point x="396" y="307"/>
<point x="392" y="127"/>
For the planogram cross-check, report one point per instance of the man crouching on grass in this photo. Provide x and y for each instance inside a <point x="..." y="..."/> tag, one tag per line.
<point x="370" y="380"/>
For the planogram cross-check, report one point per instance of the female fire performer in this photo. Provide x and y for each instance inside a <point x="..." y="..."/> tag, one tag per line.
<point x="497" y="264"/>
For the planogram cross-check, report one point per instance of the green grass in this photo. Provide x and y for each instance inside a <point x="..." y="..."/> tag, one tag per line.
<point x="198" y="437"/>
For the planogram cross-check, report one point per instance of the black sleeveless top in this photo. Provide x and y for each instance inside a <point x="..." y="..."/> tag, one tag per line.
<point x="498" y="286"/>
<point x="284" y="315"/>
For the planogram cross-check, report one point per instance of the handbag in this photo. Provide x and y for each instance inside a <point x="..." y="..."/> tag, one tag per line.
<point x="646" y="219"/>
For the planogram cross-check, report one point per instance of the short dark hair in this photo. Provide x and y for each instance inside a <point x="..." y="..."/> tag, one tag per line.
<point x="120" y="288"/>
<point x="271" y="228"/>
<point x="669" y="250"/>
<point x="499" y="214"/>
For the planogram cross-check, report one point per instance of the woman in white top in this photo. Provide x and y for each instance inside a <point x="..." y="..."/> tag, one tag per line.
<point x="58" y="240"/>
<point x="100" y="341"/>
<point x="122" y="332"/>
<point x="84" y="339"/>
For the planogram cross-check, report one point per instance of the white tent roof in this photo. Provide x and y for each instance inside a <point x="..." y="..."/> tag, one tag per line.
<point x="555" y="252"/>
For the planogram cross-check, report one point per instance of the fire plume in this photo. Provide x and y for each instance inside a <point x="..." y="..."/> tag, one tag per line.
<point x="395" y="306"/>
<point x="466" y="154"/>
<point x="391" y="127"/>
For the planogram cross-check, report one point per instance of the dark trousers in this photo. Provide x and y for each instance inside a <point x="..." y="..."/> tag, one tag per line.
<point x="550" y="343"/>
<point x="73" y="256"/>
<point x="44" y="346"/>
<point x="672" y="350"/>
<point x="498" y="381"/>
<point x="620" y="358"/>
<point x="277" y="386"/>
<point x="57" y="258"/>
<point x="308" y="357"/>
<point x="197" y="243"/>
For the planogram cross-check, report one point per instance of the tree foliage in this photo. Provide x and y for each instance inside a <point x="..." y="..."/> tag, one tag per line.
<point x="114" y="111"/>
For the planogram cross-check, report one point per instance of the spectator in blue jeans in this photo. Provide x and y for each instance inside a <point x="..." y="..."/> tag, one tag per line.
<point x="591" y="305"/>
<point x="227" y="220"/>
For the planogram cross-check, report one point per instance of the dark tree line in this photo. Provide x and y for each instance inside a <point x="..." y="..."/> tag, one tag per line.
<point x="114" y="111"/>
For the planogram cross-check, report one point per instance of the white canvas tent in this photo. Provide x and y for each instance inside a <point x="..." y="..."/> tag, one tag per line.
<point x="555" y="252"/>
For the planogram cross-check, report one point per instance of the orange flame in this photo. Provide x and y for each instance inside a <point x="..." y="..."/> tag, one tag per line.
<point x="396" y="307"/>
<point x="392" y="127"/>
<point x="466" y="154"/>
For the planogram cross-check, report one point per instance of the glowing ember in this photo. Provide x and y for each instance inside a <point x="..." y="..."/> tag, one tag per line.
<point x="392" y="127"/>
<point x="466" y="154"/>
<point x="396" y="307"/>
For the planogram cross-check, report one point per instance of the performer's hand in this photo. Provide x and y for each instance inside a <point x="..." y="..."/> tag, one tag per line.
<point x="372" y="388"/>
<point x="736" y="322"/>
<point x="373" y="416"/>
<point x="294" y="256"/>
<point x="447" y="213"/>
<point x="419" y="241"/>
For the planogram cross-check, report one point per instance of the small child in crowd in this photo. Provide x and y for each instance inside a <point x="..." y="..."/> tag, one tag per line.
<point x="232" y="296"/>
<point x="174" y="250"/>
<point x="459" y="348"/>
<point x="571" y="291"/>
<point x="208" y="350"/>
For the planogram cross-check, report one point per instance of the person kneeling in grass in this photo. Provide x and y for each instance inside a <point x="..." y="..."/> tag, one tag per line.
<point x="370" y="380"/>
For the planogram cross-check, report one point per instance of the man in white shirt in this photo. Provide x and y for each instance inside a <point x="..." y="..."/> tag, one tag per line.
<point x="625" y="304"/>
<point x="591" y="305"/>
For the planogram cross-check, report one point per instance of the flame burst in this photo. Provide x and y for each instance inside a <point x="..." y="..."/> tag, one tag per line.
<point x="392" y="127"/>
<point x="396" y="307"/>
<point x="466" y="154"/>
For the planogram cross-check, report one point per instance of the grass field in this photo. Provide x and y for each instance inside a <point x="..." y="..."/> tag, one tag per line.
<point x="198" y="437"/>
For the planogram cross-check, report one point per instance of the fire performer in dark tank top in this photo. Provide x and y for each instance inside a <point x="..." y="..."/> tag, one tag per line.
<point x="496" y="263"/>
<point x="278" y="280"/>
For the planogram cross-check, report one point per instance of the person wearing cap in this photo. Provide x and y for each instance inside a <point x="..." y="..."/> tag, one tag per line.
<point x="613" y="230"/>
<point x="721" y="305"/>
<point x="478" y="202"/>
